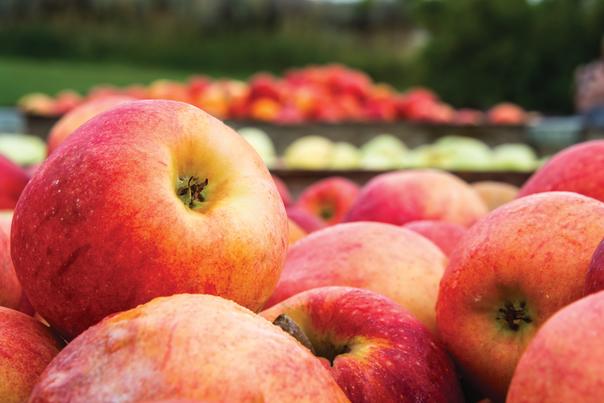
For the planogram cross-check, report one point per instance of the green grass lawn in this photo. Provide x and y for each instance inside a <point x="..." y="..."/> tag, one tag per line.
<point x="21" y="76"/>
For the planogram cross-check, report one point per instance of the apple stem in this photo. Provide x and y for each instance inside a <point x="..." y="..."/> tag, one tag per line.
<point x="189" y="189"/>
<point x="514" y="315"/>
<point x="290" y="326"/>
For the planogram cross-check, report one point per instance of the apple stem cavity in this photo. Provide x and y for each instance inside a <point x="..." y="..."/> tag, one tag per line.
<point x="514" y="315"/>
<point x="190" y="190"/>
<point x="326" y="213"/>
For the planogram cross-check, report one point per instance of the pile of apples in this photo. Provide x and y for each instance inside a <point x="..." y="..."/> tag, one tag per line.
<point x="153" y="258"/>
<point x="330" y="93"/>
<point x="386" y="151"/>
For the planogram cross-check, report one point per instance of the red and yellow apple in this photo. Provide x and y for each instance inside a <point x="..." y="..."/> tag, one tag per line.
<point x="295" y="232"/>
<point x="511" y="272"/>
<point x="10" y="288"/>
<point x="389" y="260"/>
<point x="26" y="348"/>
<point x="445" y="235"/>
<point x="495" y="194"/>
<point x="188" y="346"/>
<point x="13" y="179"/>
<point x="329" y="199"/>
<point x="375" y="349"/>
<point x="283" y="190"/>
<point x="151" y="198"/>
<point x="404" y="196"/>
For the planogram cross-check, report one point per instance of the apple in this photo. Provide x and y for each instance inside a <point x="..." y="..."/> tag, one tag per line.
<point x="187" y="346"/>
<point x="507" y="114"/>
<point x="22" y="149"/>
<point x="375" y="349"/>
<point x="76" y="117"/>
<point x="471" y="117"/>
<point x="284" y="193"/>
<point x="151" y="198"/>
<point x="344" y="156"/>
<point x="563" y="363"/>
<point x="26" y="348"/>
<point x="514" y="157"/>
<point x="10" y="288"/>
<point x="329" y="199"/>
<point x="383" y="258"/>
<point x="404" y="196"/>
<point x="511" y="272"/>
<point x="309" y="152"/>
<point x="383" y="152"/>
<point x="65" y="101"/>
<point x="594" y="281"/>
<point x="168" y="89"/>
<point x="460" y="153"/>
<point x="261" y="142"/>
<point x="295" y="232"/>
<point x="445" y="235"/>
<point x="304" y="219"/>
<point x="37" y="104"/>
<point x="495" y="194"/>
<point x="265" y="109"/>
<point x="6" y="219"/>
<point x="574" y="169"/>
<point x="13" y="179"/>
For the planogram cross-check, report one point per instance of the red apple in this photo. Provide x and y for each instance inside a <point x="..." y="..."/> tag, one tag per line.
<point x="26" y="348"/>
<point x="10" y="288"/>
<point x="151" y="198"/>
<point x="509" y="274"/>
<point x="469" y="117"/>
<point x="574" y="169"/>
<point x="595" y="276"/>
<point x="74" y="119"/>
<point x="375" y="349"/>
<point x="13" y="179"/>
<point x="563" y="363"/>
<point x="329" y="199"/>
<point x="495" y="194"/>
<point x="305" y="220"/>
<point x="445" y="235"/>
<point x="392" y="261"/>
<point x="286" y="196"/>
<point x="186" y="347"/>
<point x="507" y="114"/>
<point x="404" y="196"/>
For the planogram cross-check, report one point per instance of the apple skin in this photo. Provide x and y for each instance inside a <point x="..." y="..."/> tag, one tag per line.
<point x="295" y="232"/>
<point x="533" y="251"/>
<point x="574" y="169"/>
<point x="391" y="355"/>
<point x="78" y="116"/>
<point x="383" y="258"/>
<point x="594" y="281"/>
<point x="13" y="180"/>
<point x="283" y="191"/>
<point x="445" y="235"/>
<point x="10" y="288"/>
<point x="404" y="196"/>
<point x="563" y="363"/>
<point x="329" y="199"/>
<point x="187" y="346"/>
<point x="93" y="220"/>
<point x="495" y="194"/>
<point x="26" y="348"/>
<point x="305" y="220"/>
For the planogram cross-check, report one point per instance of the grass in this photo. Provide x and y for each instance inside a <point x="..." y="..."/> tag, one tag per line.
<point x="19" y="76"/>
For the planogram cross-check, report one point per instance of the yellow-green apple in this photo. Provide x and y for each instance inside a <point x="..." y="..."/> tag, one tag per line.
<point x="344" y="156"/>
<point x="26" y="348"/>
<point x="383" y="152"/>
<point x="574" y="169"/>
<point x="595" y="276"/>
<point x="295" y="232"/>
<point x="286" y="196"/>
<point x="387" y="259"/>
<point x="445" y="235"/>
<point x="508" y="275"/>
<point x="187" y="346"/>
<point x="304" y="219"/>
<point x="309" y="152"/>
<point x="151" y="198"/>
<point x="23" y="149"/>
<point x="515" y="157"/>
<point x="13" y="179"/>
<point x="507" y="114"/>
<point x="6" y="219"/>
<point x="78" y="116"/>
<point x="329" y="199"/>
<point x="261" y="143"/>
<point x="563" y="363"/>
<point x="495" y="194"/>
<point x="375" y="349"/>
<point x="404" y="196"/>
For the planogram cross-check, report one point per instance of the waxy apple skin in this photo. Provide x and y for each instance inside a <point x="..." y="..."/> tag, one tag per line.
<point x="521" y="263"/>
<point x="563" y="363"/>
<point x="404" y="196"/>
<point x="26" y="348"/>
<point x="383" y="258"/>
<point x="186" y="347"/>
<point x="101" y="229"/>
<point x="329" y="199"/>
<point x="387" y="355"/>
<point x="445" y="235"/>
<point x="574" y="169"/>
<point x="13" y="180"/>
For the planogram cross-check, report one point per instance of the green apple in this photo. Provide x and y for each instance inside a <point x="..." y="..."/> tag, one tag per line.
<point x="345" y="156"/>
<point x="261" y="142"/>
<point x="383" y="152"/>
<point x="309" y="152"/>
<point x="22" y="149"/>
<point x="515" y="157"/>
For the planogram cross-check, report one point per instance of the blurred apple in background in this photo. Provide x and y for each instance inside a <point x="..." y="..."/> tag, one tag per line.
<point x="304" y="219"/>
<point x="390" y="260"/>
<point x="470" y="117"/>
<point x="514" y="157"/>
<point x="345" y="156"/>
<point x="460" y="153"/>
<point x="38" y="104"/>
<point x="187" y="346"/>
<point x="22" y="149"/>
<point x="329" y="199"/>
<point x="309" y="152"/>
<point x="445" y="235"/>
<point x="13" y="179"/>
<point x="375" y="349"/>
<point x="295" y="232"/>
<point x="507" y="114"/>
<point x="6" y="219"/>
<point x="495" y="194"/>
<point x="261" y="142"/>
<point x="284" y="193"/>
<point x="383" y="152"/>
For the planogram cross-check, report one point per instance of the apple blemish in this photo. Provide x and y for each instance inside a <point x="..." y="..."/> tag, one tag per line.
<point x="513" y="315"/>
<point x="190" y="190"/>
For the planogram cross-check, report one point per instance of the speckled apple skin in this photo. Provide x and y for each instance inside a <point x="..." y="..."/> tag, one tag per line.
<point x="384" y="258"/>
<point x="404" y="196"/>
<point x="100" y="228"/>
<point x="563" y="363"/>
<point x="392" y="358"/>
<point x="579" y="169"/>
<point x="536" y="249"/>
<point x="335" y="193"/>
<point x="26" y="348"/>
<point x="196" y="347"/>
<point x="443" y="234"/>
